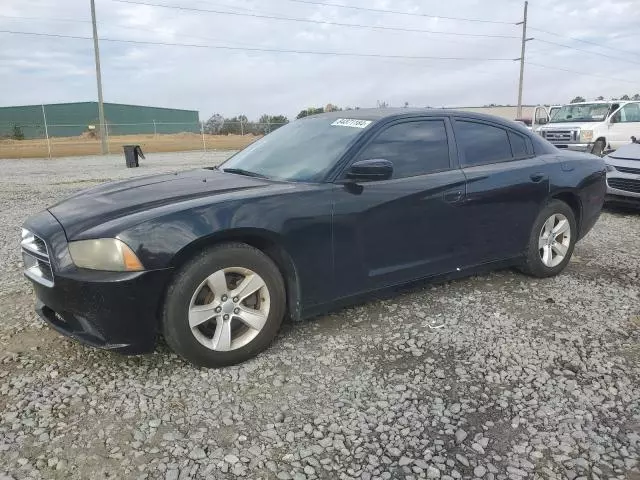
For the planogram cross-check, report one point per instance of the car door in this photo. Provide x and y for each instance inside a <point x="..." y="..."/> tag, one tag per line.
<point x="506" y="187"/>
<point x="391" y="231"/>
<point x="624" y="124"/>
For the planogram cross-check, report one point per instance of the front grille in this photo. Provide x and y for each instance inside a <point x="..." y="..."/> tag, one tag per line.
<point x="626" y="184"/>
<point x="560" y="136"/>
<point x="35" y="255"/>
<point x="628" y="170"/>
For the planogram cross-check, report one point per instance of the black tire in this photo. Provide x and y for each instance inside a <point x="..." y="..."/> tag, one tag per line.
<point x="598" y="148"/>
<point x="533" y="264"/>
<point x="175" y="315"/>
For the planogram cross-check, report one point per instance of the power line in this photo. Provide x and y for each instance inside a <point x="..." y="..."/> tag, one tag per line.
<point x="150" y="30"/>
<point x="397" y="12"/>
<point x="54" y="19"/>
<point x="581" y="73"/>
<point x="306" y="20"/>
<point x="585" y="51"/>
<point x="581" y="40"/>
<point x="261" y="49"/>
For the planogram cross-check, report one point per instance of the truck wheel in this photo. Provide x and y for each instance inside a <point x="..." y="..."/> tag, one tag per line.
<point x="598" y="148"/>
<point x="224" y="306"/>
<point x="551" y="242"/>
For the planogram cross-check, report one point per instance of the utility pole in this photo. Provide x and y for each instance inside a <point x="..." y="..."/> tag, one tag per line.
<point x="103" y="130"/>
<point x="524" y="42"/>
<point x="46" y="131"/>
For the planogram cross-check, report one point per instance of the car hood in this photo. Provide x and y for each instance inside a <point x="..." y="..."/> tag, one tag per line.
<point x="109" y="201"/>
<point x="629" y="152"/>
<point x="569" y="126"/>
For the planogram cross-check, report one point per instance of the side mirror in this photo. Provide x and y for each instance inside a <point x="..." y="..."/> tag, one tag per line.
<point x="542" y="121"/>
<point x="370" y="170"/>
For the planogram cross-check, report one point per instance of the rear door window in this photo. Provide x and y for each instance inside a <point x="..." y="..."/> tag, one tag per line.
<point x="481" y="143"/>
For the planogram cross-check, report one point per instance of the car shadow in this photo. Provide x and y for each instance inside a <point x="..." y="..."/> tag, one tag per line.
<point x="622" y="209"/>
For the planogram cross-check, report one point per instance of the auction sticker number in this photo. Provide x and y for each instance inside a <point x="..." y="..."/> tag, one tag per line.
<point x="351" y="122"/>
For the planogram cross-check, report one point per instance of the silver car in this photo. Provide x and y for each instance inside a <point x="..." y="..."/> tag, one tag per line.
<point x="623" y="175"/>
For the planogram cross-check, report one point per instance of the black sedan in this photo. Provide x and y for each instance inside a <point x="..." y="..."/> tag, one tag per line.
<point x="315" y="215"/>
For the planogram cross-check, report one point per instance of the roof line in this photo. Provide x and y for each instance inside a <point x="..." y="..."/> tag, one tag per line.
<point x="96" y="103"/>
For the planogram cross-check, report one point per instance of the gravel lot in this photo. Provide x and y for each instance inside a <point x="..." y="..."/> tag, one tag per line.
<point x="497" y="376"/>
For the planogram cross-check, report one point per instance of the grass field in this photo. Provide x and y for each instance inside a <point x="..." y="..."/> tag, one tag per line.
<point x="70" y="146"/>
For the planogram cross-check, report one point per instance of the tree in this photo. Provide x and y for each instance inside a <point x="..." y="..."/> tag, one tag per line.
<point x="625" y="97"/>
<point x="382" y="104"/>
<point x="599" y="98"/>
<point x="578" y="99"/>
<point x="269" y="123"/>
<point x="310" y="111"/>
<point x="235" y="126"/>
<point x="214" y="124"/>
<point x="636" y="96"/>
<point x="406" y="104"/>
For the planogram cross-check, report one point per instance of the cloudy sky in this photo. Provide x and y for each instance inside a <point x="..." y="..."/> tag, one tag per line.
<point x="39" y="69"/>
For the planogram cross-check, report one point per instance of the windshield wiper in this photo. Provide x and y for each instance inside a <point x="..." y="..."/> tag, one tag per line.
<point x="241" y="171"/>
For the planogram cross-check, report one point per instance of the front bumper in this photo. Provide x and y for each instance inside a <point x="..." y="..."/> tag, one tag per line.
<point x="576" y="147"/>
<point x="623" y="187"/>
<point x="111" y="310"/>
<point x="106" y="310"/>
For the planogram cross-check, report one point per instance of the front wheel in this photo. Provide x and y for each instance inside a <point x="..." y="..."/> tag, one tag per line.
<point x="224" y="306"/>
<point x="552" y="240"/>
<point x="598" y="148"/>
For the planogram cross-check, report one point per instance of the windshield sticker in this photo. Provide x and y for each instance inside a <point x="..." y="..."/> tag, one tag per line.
<point x="351" y="122"/>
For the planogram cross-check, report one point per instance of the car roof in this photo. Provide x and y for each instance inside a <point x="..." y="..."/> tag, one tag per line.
<point x="376" y="114"/>
<point x="603" y="102"/>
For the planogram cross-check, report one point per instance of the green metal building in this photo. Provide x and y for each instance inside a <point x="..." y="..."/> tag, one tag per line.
<point x="74" y="119"/>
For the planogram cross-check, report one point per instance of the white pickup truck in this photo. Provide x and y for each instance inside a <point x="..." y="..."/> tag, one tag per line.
<point x="594" y="127"/>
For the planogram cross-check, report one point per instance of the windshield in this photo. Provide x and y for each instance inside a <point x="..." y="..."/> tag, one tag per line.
<point x="553" y="111"/>
<point x="586" y="112"/>
<point x="303" y="150"/>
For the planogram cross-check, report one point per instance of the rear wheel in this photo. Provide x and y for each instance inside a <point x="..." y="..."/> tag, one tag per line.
<point x="224" y="306"/>
<point x="551" y="241"/>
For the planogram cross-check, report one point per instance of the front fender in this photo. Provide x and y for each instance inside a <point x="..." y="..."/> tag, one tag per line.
<point x="299" y="225"/>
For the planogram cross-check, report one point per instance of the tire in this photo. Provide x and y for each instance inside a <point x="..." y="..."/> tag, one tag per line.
<point x="598" y="148"/>
<point x="211" y="328"/>
<point x="542" y="257"/>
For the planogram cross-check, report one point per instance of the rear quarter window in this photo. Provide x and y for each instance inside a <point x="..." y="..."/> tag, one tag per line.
<point x="520" y="146"/>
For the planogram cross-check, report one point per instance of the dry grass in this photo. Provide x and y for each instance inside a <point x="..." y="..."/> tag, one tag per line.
<point x="70" y="146"/>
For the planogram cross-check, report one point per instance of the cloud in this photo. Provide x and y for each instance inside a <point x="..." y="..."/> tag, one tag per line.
<point x="42" y="70"/>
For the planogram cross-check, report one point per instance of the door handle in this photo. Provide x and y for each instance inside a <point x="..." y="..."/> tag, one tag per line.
<point x="537" y="177"/>
<point x="452" y="196"/>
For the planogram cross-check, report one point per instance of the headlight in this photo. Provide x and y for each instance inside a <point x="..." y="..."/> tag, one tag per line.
<point x="610" y="168"/>
<point x="109" y="254"/>
<point x="586" y="135"/>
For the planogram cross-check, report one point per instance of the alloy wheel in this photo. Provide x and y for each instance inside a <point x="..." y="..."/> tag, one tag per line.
<point x="229" y="309"/>
<point x="554" y="240"/>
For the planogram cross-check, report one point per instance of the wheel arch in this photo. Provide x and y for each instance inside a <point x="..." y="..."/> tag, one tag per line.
<point x="604" y="141"/>
<point x="267" y="242"/>
<point x="573" y="200"/>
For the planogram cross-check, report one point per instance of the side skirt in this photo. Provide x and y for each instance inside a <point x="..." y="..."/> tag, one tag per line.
<point x="405" y="287"/>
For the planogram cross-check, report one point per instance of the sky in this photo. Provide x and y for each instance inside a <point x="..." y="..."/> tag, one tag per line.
<point x="232" y="81"/>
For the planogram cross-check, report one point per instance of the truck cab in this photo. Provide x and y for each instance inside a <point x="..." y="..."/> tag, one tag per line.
<point x="542" y="114"/>
<point x="594" y="127"/>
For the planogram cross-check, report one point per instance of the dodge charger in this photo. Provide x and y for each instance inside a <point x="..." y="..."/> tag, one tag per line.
<point x="318" y="214"/>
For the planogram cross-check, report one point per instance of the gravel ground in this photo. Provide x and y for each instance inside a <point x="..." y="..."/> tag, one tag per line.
<point x="496" y="376"/>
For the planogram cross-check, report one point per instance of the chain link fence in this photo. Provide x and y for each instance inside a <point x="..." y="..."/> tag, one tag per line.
<point x="36" y="140"/>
